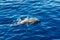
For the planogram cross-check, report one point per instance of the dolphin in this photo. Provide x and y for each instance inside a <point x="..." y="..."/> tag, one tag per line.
<point x="28" y="20"/>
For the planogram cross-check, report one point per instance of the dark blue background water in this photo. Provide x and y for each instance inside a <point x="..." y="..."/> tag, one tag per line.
<point x="48" y="11"/>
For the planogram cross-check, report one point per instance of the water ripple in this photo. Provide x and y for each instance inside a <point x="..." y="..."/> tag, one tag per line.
<point x="11" y="11"/>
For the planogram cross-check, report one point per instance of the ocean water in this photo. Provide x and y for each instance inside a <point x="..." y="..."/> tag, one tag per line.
<point x="47" y="11"/>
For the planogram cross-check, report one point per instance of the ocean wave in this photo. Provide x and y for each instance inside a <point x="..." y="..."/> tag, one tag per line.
<point x="48" y="11"/>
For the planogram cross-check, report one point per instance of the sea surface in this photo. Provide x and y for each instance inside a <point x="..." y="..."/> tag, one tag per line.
<point x="47" y="11"/>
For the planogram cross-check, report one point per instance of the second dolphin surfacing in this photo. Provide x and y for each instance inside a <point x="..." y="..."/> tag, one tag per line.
<point x="28" y="20"/>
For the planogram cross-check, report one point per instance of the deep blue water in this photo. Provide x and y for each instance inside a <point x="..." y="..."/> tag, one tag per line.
<point x="47" y="11"/>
